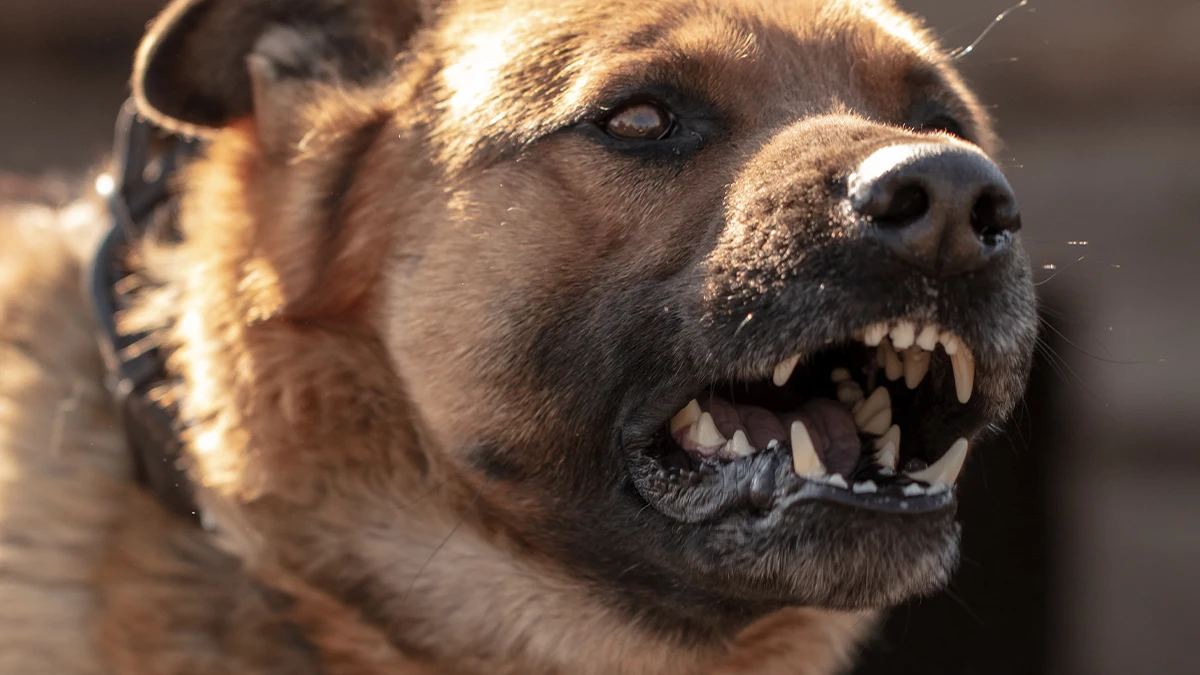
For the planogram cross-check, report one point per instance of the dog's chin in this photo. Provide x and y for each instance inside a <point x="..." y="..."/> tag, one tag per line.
<point x="829" y="482"/>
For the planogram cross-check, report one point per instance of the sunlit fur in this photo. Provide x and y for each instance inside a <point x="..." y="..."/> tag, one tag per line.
<point x="415" y="311"/>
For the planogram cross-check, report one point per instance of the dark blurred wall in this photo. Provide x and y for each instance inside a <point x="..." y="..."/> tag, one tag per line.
<point x="1083" y="525"/>
<point x="1099" y="104"/>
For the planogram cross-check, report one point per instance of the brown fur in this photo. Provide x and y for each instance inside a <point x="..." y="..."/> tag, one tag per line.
<point x="350" y="317"/>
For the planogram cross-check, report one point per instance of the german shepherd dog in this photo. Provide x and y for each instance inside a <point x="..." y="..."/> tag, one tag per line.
<point x="520" y="336"/>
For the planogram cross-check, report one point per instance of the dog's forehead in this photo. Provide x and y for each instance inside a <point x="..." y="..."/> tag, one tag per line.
<point x="550" y="59"/>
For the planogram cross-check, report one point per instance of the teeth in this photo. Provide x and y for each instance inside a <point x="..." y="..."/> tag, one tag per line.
<point x="892" y="366"/>
<point x="963" y="363"/>
<point x="949" y="342"/>
<point x="686" y="417"/>
<point x="836" y="480"/>
<point x="888" y="447"/>
<point x="878" y="401"/>
<point x="865" y="487"/>
<point x="704" y="433"/>
<point x="892" y="435"/>
<point x="804" y="455"/>
<point x="839" y="375"/>
<point x="783" y="371"/>
<point x="903" y="334"/>
<point x="927" y="339"/>
<point x="874" y="334"/>
<point x="739" y="445"/>
<point x="879" y="423"/>
<point x="886" y="458"/>
<point x="916" y="365"/>
<point x="773" y="444"/>
<point x="912" y="490"/>
<point x="944" y="471"/>
<point x="849" y="392"/>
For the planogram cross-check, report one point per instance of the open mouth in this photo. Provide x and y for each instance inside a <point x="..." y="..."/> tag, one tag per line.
<point x="847" y="424"/>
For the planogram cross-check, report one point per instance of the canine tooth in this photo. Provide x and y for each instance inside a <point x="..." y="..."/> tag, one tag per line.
<point x="865" y="487"/>
<point x="773" y="444"/>
<point x="949" y="343"/>
<point x="892" y="435"/>
<point x="903" y="334"/>
<point x="927" y="339"/>
<point x="892" y="366"/>
<point x="804" y="454"/>
<point x="836" y="480"/>
<point x="783" y="371"/>
<point x="839" y="375"/>
<point x="705" y="433"/>
<point x="916" y="365"/>
<point x="912" y="490"/>
<point x="963" y="364"/>
<point x="879" y="423"/>
<point x="686" y="417"/>
<point x="946" y="469"/>
<point x="850" y="392"/>
<point x="877" y="401"/>
<point x="875" y="333"/>
<point x="886" y="457"/>
<point x="739" y="445"/>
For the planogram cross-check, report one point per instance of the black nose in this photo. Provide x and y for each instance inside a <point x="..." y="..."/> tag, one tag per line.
<point x="944" y="208"/>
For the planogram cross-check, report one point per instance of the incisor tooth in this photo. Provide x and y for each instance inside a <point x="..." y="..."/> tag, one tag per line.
<point x="705" y="434"/>
<point x="927" y="339"/>
<point x="686" y="417"/>
<point x="739" y="445"/>
<point x="865" y="487"/>
<point x="903" y="334"/>
<point x="886" y="457"/>
<point x="963" y="364"/>
<point x="836" y="480"/>
<point x="945" y="470"/>
<point x="949" y="343"/>
<point x="892" y="435"/>
<point x="804" y="454"/>
<point x="879" y="423"/>
<point x="912" y="490"/>
<point x="890" y="360"/>
<point x="849" y="392"/>
<point x="877" y="401"/>
<point x="839" y="375"/>
<point x="875" y="333"/>
<point x="916" y="365"/>
<point x="783" y="371"/>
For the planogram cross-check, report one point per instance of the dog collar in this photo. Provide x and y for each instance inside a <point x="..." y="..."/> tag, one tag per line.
<point x="145" y="160"/>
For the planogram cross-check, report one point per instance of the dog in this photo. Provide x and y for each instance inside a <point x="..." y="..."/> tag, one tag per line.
<point x="534" y="336"/>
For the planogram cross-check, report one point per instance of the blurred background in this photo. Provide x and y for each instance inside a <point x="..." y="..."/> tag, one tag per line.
<point x="1082" y="525"/>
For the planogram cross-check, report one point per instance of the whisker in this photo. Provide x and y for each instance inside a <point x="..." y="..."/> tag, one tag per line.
<point x="961" y="52"/>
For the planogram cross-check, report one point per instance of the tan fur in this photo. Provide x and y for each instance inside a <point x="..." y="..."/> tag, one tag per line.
<point x="351" y="538"/>
<point x="63" y="463"/>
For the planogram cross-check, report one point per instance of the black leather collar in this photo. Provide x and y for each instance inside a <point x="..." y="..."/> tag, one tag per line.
<point x="145" y="161"/>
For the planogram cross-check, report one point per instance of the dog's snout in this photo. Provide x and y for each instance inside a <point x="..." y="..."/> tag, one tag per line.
<point x="945" y="208"/>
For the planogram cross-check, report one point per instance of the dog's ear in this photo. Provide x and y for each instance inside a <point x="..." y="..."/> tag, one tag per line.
<point x="206" y="63"/>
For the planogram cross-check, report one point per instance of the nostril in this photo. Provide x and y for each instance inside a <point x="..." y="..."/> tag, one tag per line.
<point x="994" y="217"/>
<point x="905" y="204"/>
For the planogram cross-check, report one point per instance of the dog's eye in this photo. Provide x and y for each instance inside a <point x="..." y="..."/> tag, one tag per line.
<point x="639" y="122"/>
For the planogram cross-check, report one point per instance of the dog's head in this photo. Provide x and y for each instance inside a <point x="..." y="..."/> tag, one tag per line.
<point x="617" y="270"/>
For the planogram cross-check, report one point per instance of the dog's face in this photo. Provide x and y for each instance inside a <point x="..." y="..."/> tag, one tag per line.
<point x="608" y="224"/>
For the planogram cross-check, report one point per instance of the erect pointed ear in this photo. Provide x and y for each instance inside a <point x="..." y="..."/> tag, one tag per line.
<point x="205" y="63"/>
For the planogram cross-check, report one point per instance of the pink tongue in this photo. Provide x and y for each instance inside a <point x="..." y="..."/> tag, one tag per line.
<point x="829" y="423"/>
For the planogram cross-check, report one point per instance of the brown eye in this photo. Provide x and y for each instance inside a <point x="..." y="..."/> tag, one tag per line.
<point x="639" y="122"/>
